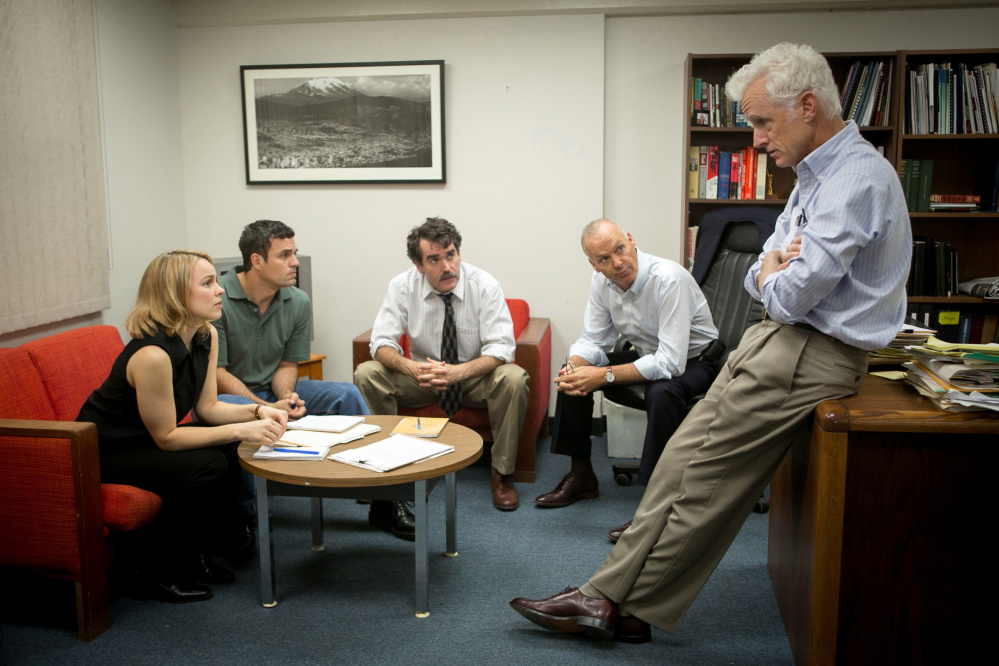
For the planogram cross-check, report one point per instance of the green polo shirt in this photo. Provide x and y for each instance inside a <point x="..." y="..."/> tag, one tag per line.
<point x="251" y="346"/>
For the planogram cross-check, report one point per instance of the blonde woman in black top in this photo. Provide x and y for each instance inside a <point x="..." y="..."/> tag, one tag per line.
<point x="159" y="377"/>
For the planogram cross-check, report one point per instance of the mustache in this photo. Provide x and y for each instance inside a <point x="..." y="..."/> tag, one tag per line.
<point x="447" y="275"/>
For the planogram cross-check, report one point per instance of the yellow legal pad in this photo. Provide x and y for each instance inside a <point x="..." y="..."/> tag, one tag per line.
<point x="419" y="426"/>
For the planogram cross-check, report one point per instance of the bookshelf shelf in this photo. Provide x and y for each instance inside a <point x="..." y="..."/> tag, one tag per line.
<point x="737" y="202"/>
<point x="955" y="214"/>
<point x="949" y="299"/>
<point x="948" y="137"/>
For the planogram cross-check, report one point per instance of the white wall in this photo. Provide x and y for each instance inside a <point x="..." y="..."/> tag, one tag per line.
<point x="524" y="114"/>
<point x="140" y="103"/>
<point x="645" y="115"/>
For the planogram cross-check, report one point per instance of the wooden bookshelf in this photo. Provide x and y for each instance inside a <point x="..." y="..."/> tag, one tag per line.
<point x="963" y="163"/>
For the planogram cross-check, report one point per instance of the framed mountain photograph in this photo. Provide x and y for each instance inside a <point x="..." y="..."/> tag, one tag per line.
<point x="375" y="122"/>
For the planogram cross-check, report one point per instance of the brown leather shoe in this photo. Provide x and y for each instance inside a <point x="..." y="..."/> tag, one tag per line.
<point x="571" y="488"/>
<point x="504" y="494"/>
<point x="571" y="612"/>
<point x="616" y="533"/>
<point x="629" y="629"/>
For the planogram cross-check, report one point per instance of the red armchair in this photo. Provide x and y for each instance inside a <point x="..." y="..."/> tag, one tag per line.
<point x="55" y="514"/>
<point x="534" y="354"/>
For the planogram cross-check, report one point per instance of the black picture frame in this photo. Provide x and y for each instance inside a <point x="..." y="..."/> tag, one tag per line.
<point x="370" y="122"/>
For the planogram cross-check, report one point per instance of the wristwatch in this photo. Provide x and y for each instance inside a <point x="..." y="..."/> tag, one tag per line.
<point x="609" y="377"/>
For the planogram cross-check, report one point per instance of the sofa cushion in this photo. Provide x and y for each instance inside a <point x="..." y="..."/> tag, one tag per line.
<point x="22" y="394"/>
<point x="74" y="363"/>
<point x="128" y="507"/>
<point x="520" y="312"/>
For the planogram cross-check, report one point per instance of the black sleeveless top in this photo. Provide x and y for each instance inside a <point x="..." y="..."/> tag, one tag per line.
<point x="114" y="407"/>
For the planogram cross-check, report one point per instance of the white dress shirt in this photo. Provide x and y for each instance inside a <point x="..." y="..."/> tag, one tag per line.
<point x="480" y="313"/>
<point x="663" y="313"/>
<point x="849" y="279"/>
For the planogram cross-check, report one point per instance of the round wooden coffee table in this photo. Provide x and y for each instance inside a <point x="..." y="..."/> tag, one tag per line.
<point x="327" y="478"/>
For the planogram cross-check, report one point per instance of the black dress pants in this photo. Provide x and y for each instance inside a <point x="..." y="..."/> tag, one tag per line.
<point x="666" y="406"/>
<point x="199" y="490"/>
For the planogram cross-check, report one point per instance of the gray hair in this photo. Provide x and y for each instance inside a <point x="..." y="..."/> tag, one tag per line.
<point x="787" y="71"/>
<point x="592" y="228"/>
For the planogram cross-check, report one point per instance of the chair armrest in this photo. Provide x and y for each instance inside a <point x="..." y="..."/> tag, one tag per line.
<point x="86" y="470"/>
<point x="534" y="355"/>
<point x="362" y="352"/>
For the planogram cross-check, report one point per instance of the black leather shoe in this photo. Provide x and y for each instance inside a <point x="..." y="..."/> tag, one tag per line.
<point x="571" y="612"/>
<point x="173" y="592"/>
<point x="394" y="517"/>
<point x="629" y="629"/>
<point x="206" y="572"/>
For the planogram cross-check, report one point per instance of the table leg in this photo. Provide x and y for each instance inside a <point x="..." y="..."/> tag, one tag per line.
<point x="420" y="497"/>
<point x="268" y="583"/>
<point x="317" y="524"/>
<point x="450" y="512"/>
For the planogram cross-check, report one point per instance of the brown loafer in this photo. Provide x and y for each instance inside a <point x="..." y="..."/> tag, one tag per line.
<point x="571" y="612"/>
<point x="629" y="629"/>
<point x="572" y="487"/>
<point x="504" y="494"/>
<point x="616" y="533"/>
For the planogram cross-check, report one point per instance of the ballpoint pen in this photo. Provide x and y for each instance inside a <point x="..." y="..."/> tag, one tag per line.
<point x="418" y="426"/>
<point x="311" y="453"/>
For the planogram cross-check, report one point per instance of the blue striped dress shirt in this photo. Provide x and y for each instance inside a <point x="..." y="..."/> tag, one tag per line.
<point x="849" y="280"/>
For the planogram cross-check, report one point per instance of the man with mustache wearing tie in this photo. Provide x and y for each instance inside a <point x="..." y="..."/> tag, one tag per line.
<point x="461" y="344"/>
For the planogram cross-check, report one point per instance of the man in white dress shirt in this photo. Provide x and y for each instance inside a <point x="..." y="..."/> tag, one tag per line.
<point x="438" y="292"/>
<point x="656" y="304"/>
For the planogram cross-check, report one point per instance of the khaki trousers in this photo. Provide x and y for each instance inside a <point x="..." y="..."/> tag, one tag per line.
<point x="717" y="464"/>
<point x="503" y="392"/>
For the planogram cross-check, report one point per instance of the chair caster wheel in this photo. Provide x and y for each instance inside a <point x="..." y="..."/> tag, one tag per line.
<point x="762" y="505"/>
<point x="623" y="479"/>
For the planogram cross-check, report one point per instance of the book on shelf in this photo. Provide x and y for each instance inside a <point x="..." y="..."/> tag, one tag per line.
<point x="952" y="98"/>
<point x="724" y="173"/>
<point x="712" y="186"/>
<point x="955" y="198"/>
<point x="761" y="175"/>
<point x="933" y="269"/>
<point x="867" y="93"/>
<point x="780" y="181"/>
<point x="925" y="185"/>
<point x="702" y="173"/>
<point x="735" y="176"/>
<point x="693" y="171"/>
<point x="691" y="246"/>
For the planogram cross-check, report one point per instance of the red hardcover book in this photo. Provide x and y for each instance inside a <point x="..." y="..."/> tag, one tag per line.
<point x="955" y="198"/>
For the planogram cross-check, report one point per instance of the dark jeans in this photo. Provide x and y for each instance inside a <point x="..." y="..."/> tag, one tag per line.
<point x="666" y="405"/>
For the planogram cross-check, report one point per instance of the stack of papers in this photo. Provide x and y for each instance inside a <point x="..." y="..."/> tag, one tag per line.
<point x="957" y="377"/>
<point x="895" y="352"/>
<point x="392" y="453"/>
<point x="310" y="445"/>
<point x="333" y="423"/>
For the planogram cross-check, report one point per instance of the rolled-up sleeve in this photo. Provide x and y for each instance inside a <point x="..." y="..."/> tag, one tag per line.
<point x="390" y="322"/>
<point x="496" y="326"/>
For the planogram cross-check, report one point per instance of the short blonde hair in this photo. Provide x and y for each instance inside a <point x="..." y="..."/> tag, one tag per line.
<point x="163" y="291"/>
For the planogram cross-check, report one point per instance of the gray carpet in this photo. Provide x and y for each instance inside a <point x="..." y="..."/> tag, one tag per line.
<point x="353" y="602"/>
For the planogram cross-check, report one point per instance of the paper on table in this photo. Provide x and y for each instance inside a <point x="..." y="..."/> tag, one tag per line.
<point x="310" y="445"/>
<point x="325" y="423"/>
<point x="392" y="453"/>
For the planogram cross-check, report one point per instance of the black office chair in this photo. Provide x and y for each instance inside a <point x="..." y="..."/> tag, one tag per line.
<point x="729" y="240"/>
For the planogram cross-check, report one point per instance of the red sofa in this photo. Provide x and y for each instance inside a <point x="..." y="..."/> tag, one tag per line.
<point x="534" y="354"/>
<point x="55" y="514"/>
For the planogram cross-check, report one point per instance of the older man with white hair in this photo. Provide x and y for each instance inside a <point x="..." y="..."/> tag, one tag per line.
<point x="832" y="280"/>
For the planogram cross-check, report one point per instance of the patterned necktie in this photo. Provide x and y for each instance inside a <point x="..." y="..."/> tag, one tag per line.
<point x="450" y="398"/>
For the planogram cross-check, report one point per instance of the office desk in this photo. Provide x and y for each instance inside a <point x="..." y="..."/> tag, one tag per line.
<point x="326" y="478"/>
<point x="879" y="525"/>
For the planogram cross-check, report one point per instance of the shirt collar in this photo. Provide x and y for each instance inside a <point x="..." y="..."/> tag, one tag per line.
<point x="234" y="288"/>
<point x="821" y="160"/>
<point x="641" y="276"/>
<point x="458" y="291"/>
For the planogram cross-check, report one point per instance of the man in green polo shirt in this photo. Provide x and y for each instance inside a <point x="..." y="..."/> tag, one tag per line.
<point x="264" y="333"/>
